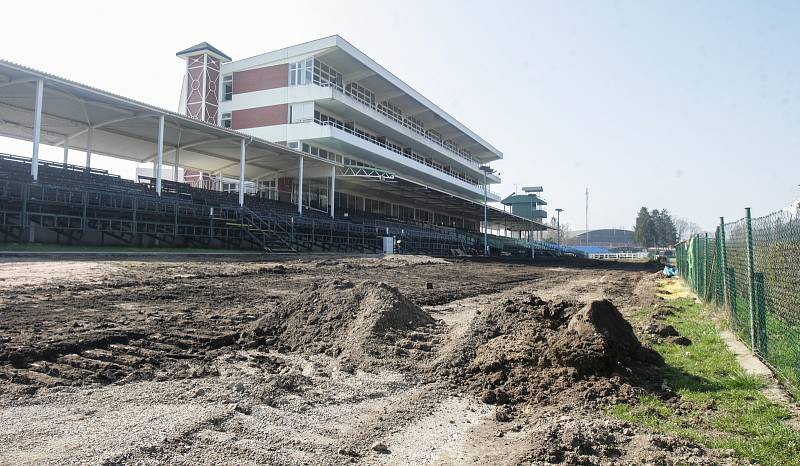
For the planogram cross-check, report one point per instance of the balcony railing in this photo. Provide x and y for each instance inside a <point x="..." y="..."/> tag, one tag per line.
<point x="394" y="149"/>
<point x="402" y="122"/>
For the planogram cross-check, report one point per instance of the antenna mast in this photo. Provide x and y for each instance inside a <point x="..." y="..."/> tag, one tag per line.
<point x="587" y="216"/>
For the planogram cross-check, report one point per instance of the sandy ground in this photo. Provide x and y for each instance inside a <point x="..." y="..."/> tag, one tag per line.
<point x="135" y="362"/>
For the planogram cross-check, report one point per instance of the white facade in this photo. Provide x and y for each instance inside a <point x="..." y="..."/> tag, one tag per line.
<point x="327" y="97"/>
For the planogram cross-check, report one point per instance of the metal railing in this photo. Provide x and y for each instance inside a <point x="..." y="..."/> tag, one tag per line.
<point x="405" y="128"/>
<point x="395" y="150"/>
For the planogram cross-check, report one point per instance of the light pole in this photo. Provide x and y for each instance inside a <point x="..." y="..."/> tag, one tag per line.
<point x="558" y="228"/>
<point x="486" y="170"/>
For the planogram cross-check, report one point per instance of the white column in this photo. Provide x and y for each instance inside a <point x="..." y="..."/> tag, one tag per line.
<point x="241" y="173"/>
<point x="66" y="151"/>
<point x="332" y="194"/>
<point x="176" y="164"/>
<point x="89" y="149"/>
<point x="37" y="129"/>
<point x="300" y="189"/>
<point x="160" y="153"/>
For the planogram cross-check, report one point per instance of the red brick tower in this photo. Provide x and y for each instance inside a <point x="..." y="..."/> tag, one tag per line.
<point x="201" y="88"/>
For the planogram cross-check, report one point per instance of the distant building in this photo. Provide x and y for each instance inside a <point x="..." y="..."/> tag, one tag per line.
<point x="605" y="238"/>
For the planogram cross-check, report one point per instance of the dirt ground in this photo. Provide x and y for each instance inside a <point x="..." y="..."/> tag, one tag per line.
<point x="398" y="360"/>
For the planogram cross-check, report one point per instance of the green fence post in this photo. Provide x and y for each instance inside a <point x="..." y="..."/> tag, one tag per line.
<point x="693" y="258"/>
<point x="700" y="265"/>
<point x="761" y="314"/>
<point x="751" y="278"/>
<point x="719" y="297"/>
<point x="723" y="260"/>
<point x="706" y="277"/>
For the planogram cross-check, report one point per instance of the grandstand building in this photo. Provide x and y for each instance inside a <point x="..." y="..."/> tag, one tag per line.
<point x="328" y="99"/>
<point x="313" y="147"/>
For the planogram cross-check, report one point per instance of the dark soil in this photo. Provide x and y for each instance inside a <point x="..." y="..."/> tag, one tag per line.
<point x="527" y="350"/>
<point x="367" y="325"/>
<point x="561" y="360"/>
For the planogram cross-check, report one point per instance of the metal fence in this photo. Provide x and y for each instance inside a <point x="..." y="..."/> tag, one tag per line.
<point x="750" y="269"/>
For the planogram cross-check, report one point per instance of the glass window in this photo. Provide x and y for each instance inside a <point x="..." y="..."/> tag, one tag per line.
<point x="226" y="120"/>
<point x="227" y="87"/>
<point x="301" y="72"/>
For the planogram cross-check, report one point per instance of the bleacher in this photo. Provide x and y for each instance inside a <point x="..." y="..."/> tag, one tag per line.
<point x="69" y="204"/>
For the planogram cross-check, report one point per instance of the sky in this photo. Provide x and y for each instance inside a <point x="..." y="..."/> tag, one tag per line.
<point x="692" y="106"/>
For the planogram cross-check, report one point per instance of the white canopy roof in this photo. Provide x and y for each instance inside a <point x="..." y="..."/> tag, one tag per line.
<point x="128" y="129"/>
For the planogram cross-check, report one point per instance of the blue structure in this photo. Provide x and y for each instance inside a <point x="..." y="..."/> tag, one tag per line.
<point x="590" y="249"/>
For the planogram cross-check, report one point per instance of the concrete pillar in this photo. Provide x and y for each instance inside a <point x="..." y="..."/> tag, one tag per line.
<point x="66" y="152"/>
<point x="300" y="188"/>
<point x="159" y="153"/>
<point x="89" y="148"/>
<point x="332" y="194"/>
<point x="176" y="165"/>
<point x="241" y="171"/>
<point x="37" y="129"/>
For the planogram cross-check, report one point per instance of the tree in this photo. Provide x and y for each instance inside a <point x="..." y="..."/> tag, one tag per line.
<point x="552" y="235"/>
<point x="684" y="229"/>
<point x="643" y="232"/>
<point x="664" y="228"/>
<point x="655" y="228"/>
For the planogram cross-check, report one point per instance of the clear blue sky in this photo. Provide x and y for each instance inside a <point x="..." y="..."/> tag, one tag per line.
<point x="686" y="105"/>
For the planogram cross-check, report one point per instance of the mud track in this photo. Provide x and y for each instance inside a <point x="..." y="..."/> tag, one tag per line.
<point x="148" y="362"/>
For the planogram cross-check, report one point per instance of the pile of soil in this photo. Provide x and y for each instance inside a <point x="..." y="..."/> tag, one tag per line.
<point x="568" y="440"/>
<point x="361" y="324"/>
<point x="527" y="350"/>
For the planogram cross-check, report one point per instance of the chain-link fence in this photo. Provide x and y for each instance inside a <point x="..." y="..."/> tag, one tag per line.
<point x="751" y="269"/>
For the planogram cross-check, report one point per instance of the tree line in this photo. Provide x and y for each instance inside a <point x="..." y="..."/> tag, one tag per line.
<point x="655" y="228"/>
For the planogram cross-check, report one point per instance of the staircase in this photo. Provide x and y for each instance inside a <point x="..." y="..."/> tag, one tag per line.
<point x="269" y="234"/>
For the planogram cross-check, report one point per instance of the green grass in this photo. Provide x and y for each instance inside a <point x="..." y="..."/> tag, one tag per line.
<point x="721" y="405"/>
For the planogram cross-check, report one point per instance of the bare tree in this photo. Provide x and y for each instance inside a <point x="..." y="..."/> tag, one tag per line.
<point x="685" y="229"/>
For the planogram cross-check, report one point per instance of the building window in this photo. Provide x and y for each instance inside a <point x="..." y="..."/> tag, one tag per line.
<point x="301" y="72"/>
<point x="226" y="120"/>
<point x="227" y="87"/>
<point x="324" y="75"/>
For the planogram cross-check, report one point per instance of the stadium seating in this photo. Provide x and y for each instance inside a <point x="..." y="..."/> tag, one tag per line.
<point x="77" y="204"/>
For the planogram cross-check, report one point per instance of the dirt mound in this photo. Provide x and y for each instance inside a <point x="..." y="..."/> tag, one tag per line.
<point x="530" y="350"/>
<point x="568" y="440"/>
<point x="597" y="340"/>
<point x="358" y="323"/>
